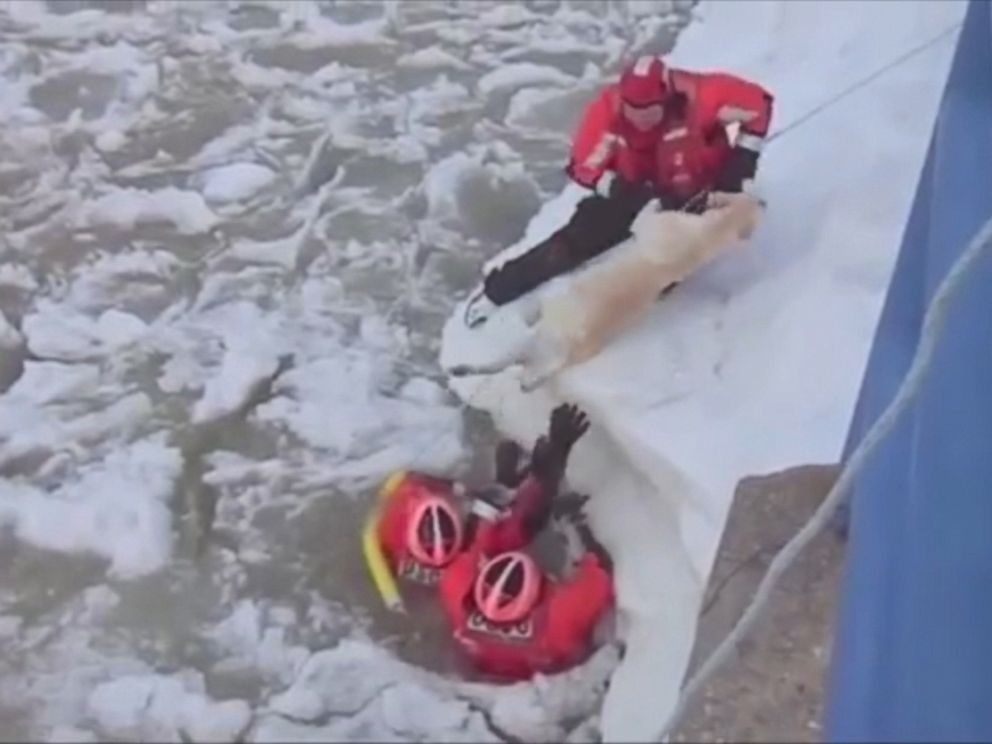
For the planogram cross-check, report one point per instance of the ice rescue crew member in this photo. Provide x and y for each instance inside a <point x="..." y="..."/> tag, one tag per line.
<point x="666" y="130"/>
<point x="659" y="132"/>
<point x="513" y="621"/>
<point x="423" y="527"/>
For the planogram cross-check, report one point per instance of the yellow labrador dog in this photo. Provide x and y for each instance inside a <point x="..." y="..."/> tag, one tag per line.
<point x="574" y="322"/>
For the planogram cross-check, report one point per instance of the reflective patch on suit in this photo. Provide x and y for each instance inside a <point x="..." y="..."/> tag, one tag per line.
<point x="520" y="631"/>
<point x="418" y="573"/>
<point x="601" y="152"/>
<point x="731" y="114"/>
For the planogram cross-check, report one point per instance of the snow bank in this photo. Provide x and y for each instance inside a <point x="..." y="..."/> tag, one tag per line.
<point x="754" y="364"/>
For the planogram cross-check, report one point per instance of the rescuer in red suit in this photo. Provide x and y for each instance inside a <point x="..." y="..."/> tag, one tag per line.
<point x="424" y="525"/>
<point x="512" y="620"/>
<point x="658" y="132"/>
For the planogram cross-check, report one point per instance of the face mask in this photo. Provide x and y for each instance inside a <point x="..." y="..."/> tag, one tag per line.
<point x="644" y="118"/>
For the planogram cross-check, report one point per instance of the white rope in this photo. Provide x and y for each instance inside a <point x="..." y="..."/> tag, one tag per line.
<point x="933" y="322"/>
<point x="863" y="82"/>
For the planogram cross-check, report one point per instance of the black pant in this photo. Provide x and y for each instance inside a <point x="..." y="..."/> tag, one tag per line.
<point x="597" y="224"/>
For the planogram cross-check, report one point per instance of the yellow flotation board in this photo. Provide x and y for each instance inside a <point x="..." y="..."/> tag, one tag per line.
<point x="382" y="575"/>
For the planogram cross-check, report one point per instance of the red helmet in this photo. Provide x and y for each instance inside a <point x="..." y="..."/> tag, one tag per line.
<point x="645" y="82"/>
<point x="643" y="90"/>
<point x="507" y="587"/>
<point x="434" y="535"/>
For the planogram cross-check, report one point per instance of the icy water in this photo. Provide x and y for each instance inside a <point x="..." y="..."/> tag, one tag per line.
<point x="229" y="236"/>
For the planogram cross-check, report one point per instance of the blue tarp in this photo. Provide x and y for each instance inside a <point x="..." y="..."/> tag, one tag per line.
<point x="912" y="658"/>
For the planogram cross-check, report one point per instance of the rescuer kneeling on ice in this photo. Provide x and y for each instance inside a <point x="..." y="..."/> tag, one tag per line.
<point x="659" y="133"/>
<point x="511" y="618"/>
<point x="425" y="522"/>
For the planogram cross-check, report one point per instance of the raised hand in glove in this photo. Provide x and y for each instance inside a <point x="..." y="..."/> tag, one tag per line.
<point x="568" y="424"/>
<point x="547" y="463"/>
<point x="508" y="455"/>
<point x="740" y="167"/>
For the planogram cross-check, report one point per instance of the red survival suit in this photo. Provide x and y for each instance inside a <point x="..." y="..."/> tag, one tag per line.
<point x="508" y="532"/>
<point x="556" y="634"/>
<point x="688" y="150"/>
<point x="657" y="133"/>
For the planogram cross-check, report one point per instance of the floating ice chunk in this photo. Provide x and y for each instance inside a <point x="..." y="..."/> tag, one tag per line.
<point x="250" y="644"/>
<point x="57" y="330"/>
<point x="48" y="382"/>
<point x="235" y="182"/>
<point x="425" y="391"/>
<point x="432" y="58"/>
<point x="17" y="276"/>
<point x="282" y="252"/>
<point x="242" y="370"/>
<point x="117" y="509"/>
<point x="10" y="338"/>
<point x="339" y="681"/>
<point x="363" y="685"/>
<point x="126" y="208"/>
<point x="26" y="428"/>
<point x="110" y="140"/>
<point x="368" y="434"/>
<point x="117" y="280"/>
<point x="441" y="184"/>
<point x="71" y="735"/>
<point x="508" y="14"/>
<point x="9" y="626"/>
<point x="157" y="707"/>
<point x="556" y="110"/>
<point x="343" y="384"/>
<point x="202" y="44"/>
<point x="521" y="74"/>
<point x="117" y="329"/>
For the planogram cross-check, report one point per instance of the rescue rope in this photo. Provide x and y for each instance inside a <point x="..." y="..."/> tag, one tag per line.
<point x="934" y="319"/>
<point x="827" y="103"/>
<point x="863" y="82"/>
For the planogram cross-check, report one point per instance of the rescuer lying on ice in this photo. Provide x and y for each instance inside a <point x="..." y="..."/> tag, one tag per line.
<point x="659" y="133"/>
<point x="508" y="616"/>
<point x="425" y="522"/>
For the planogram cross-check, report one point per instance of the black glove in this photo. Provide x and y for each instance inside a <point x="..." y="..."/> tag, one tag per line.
<point x="629" y="198"/>
<point x="569" y="505"/>
<point x="589" y="542"/>
<point x="508" y="455"/>
<point x="741" y="165"/>
<point x="567" y="426"/>
<point x="547" y="464"/>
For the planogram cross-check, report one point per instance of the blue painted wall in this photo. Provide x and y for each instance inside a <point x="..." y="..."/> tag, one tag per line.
<point x="912" y="659"/>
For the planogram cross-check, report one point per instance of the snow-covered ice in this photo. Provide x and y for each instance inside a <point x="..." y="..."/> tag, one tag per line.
<point x="753" y="365"/>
